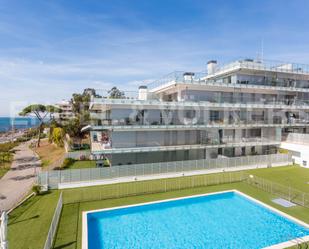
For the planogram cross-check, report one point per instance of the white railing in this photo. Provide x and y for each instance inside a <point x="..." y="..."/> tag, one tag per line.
<point x="79" y="154"/>
<point x="54" y="225"/>
<point x="125" y="189"/>
<point x="276" y="189"/>
<point x="53" y="179"/>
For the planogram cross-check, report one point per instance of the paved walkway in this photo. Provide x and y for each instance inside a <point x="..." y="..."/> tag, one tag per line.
<point x="17" y="182"/>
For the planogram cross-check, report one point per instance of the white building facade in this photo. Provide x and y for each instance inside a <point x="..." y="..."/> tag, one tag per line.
<point x="239" y="109"/>
<point x="66" y="113"/>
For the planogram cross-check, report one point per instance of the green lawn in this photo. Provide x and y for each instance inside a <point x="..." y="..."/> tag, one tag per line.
<point x="29" y="223"/>
<point x="294" y="176"/>
<point x="82" y="165"/>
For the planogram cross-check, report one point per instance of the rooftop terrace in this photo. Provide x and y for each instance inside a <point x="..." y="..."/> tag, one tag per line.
<point x="205" y="77"/>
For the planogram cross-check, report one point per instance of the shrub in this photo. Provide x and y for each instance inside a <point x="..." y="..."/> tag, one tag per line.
<point x="106" y="162"/>
<point x="36" y="189"/>
<point x="5" y="147"/>
<point x="23" y="139"/>
<point x="58" y="135"/>
<point x="283" y="151"/>
<point x="67" y="162"/>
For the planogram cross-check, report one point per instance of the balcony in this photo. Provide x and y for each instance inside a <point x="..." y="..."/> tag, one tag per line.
<point x="121" y="125"/>
<point x="200" y="103"/>
<point x="99" y="148"/>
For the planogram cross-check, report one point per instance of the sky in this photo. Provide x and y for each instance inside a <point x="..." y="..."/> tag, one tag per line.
<point x="50" y="49"/>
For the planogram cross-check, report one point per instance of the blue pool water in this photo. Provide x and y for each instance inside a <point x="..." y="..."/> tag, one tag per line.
<point x="226" y="220"/>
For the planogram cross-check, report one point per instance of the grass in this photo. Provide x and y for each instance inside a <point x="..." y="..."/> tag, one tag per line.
<point x="82" y="165"/>
<point x="6" y="156"/>
<point x="30" y="222"/>
<point x="4" y="167"/>
<point x="294" y="176"/>
<point x="49" y="153"/>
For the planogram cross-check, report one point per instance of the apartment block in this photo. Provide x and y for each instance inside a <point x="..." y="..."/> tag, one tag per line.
<point x="238" y="109"/>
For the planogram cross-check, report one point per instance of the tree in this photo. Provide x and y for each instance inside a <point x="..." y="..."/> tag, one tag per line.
<point x="41" y="112"/>
<point x="73" y="128"/>
<point x="115" y="93"/>
<point x="58" y="135"/>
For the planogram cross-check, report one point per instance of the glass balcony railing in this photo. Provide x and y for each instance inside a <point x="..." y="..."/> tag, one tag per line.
<point x="126" y="123"/>
<point x="207" y="142"/>
<point x="199" y="101"/>
<point x="265" y="65"/>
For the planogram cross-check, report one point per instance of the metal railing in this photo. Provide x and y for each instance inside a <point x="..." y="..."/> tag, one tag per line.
<point x="52" y="179"/>
<point x="149" y="187"/>
<point x="54" y="224"/>
<point x="286" y="192"/>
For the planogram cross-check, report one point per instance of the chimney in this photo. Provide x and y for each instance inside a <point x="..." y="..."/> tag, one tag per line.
<point x="142" y="93"/>
<point x="188" y="76"/>
<point x="211" y="66"/>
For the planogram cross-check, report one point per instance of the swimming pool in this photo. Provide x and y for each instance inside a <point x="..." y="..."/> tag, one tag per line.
<point x="220" y="220"/>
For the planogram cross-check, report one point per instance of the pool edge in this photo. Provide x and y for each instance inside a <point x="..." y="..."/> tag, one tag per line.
<point x="281" y="245"/>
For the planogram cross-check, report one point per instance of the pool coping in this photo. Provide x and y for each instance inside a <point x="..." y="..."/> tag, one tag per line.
<point x="281" y="245"/>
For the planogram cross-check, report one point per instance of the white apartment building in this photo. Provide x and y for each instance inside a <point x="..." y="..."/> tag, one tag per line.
<point x="66" y="113"/>
<point x="238" y="109"/>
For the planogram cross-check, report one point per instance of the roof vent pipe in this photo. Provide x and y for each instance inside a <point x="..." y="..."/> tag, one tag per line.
<point x="211" y="66"/>
<point x="188" y="76"/>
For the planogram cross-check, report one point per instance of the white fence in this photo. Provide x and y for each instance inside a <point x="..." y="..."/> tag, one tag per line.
<point x="286" y="192"/>
<point x="79" y="154"/>
<point x="52" y="179"/>
<point x="54" y="225"/>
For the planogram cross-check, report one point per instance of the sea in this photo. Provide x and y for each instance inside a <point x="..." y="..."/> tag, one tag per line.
<point x="9" y="123"/>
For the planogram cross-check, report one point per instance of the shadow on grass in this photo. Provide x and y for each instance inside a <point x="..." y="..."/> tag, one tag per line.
<point x="30" y="218"/>
<point x="65" y="245"/>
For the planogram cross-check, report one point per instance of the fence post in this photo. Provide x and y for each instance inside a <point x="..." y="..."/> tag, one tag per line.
<point x="47" y="179"/>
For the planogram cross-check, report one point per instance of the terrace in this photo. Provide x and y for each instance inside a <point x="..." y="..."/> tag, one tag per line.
<point x="202" y="79"/>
